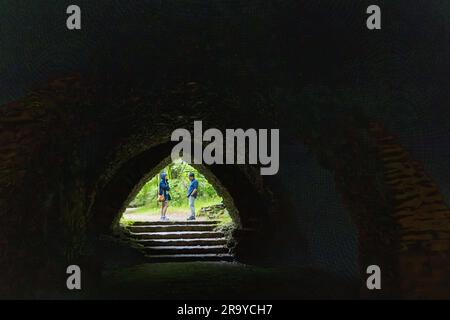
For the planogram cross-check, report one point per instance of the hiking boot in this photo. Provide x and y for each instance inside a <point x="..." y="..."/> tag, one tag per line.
<point x="191" y="218"/>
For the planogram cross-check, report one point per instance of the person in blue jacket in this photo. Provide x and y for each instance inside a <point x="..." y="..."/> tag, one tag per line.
<point x="192" y="194"/>
<point x="164" y="192"/>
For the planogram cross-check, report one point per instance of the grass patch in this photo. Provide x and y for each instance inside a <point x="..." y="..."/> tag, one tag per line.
<point x="154" y="209"/>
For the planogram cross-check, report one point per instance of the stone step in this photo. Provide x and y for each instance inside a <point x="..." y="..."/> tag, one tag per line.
<point x="170" y="222"/>
<point x="165" y="250"/>
<point x="189" y="257"/>
<point x="179" y="241"/>
<point x="172" y="227"/>
<point x="182" y="242"/>
<point x="177" y="235"/>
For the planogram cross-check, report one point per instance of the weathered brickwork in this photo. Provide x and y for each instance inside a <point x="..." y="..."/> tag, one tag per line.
<point x="422" y="220"/>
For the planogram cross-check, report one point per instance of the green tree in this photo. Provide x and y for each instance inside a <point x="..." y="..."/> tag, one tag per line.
<point x="178" y="179"/>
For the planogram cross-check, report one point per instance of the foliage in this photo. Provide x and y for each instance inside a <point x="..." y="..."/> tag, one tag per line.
<point x="178" y="180"/>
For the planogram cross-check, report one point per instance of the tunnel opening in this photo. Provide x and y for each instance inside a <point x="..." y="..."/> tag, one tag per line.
<point x="246" y="214"/>
<point x="268" y="251"/>
<point x="146" y="202"/>
<point x="256" y="248"/>
<point x="187" y="222"/>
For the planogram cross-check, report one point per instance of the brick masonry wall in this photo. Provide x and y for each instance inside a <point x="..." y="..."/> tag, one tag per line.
<point x="422" y="218"/>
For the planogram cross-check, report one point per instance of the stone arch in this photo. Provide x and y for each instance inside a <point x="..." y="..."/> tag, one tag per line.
<point x="239" y="185"/>
<point x="73" y="203"/>
<point x="229" y="183"/>
<point x="107" y="197"/>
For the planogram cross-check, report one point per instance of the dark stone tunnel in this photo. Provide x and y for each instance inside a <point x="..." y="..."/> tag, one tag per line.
<point x="86" y="118"/>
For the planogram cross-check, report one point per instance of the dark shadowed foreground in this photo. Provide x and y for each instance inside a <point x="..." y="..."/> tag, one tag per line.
<point x="220" y="280"/>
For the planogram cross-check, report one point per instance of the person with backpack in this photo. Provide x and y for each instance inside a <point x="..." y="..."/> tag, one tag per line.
<point x="163" y="195"/>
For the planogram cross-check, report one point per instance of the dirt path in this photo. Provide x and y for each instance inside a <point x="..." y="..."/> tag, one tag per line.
<point x="178" y="215"/>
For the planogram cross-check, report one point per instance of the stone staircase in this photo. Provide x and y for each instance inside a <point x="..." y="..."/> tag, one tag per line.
<point x="179" y="241"/>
